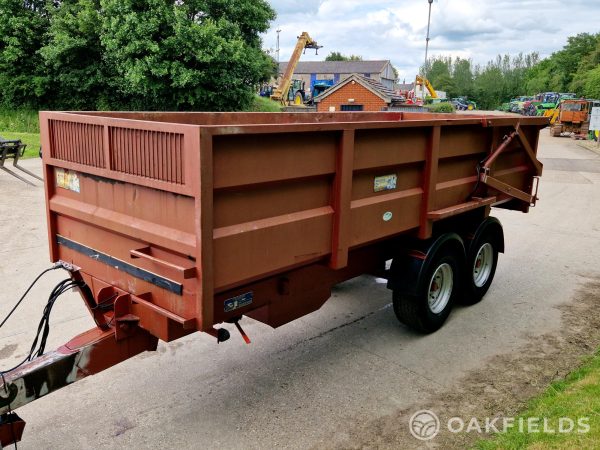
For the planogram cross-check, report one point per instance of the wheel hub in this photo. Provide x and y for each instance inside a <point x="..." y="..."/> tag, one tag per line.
<point x="440" y="288"/>
<point x="482" y="268"/>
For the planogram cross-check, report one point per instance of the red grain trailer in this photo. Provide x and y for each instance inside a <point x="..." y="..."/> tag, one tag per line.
<point x="172" y="223"/>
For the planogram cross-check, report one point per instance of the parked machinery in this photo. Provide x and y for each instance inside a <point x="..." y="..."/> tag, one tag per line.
<point x="572" y="116"/>
<point x="553" y="109"/>
<point x="282" y="92"/>
<point x="421" y="81"/>
<point x="318" y="88"/>
<point x="463" y="104"/>
<point x="296" y="93"/>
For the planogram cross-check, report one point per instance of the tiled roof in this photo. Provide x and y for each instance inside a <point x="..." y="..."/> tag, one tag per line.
<point x="374" y="86"/>
<point x="310" y="67"/>
<point x="406" y="86"/>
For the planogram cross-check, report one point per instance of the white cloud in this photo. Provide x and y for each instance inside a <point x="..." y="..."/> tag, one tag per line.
<point x="395" y="29"/>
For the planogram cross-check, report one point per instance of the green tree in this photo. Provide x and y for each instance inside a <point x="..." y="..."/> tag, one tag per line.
<point x="337" y="56"/>
<point x="250" y="16"/>
<point x="446" y="84"/>
<point x="73" y="57"/>
<point x="566" y="69"/>
<point x="202" y="55"/>
<point x="592" y="84"/>
<point x="24" y="26"/>
<point x="462" y="74"/>
<point x="489" y="86"/>
<point x="567" y="60"/>
<point x="538" y="78"/>
<point x="440" y="68"/>
<point x="587" y="65"/>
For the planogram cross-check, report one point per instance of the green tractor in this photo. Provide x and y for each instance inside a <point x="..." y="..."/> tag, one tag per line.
<point x="297" y="93"/>
<point x="463" y="104"/>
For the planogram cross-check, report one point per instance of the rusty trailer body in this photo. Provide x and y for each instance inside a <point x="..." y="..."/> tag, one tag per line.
<point x="180" y="222"/>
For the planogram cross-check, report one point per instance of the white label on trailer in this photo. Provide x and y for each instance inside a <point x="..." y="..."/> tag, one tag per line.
<point x="595" y="119"/>
<point x="386" y="183"/>
<point x="67" y="179"/>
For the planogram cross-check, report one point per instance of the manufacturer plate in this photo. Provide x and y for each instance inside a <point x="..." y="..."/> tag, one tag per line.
<point x="239" y="302"/>
<point x="67" y="179"/>
<point x="386" y="183"/>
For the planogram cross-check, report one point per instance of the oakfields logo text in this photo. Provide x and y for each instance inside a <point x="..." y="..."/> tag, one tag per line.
<point x="425" y="425"/>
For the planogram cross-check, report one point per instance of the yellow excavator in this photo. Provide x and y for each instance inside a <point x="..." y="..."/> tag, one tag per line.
<point x="281" y="92"/>
<point x="553" y="113"/>
<point x="425" y="82"/>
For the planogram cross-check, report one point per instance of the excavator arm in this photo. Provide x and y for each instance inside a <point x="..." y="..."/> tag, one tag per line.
<point x="425" y="82"/>
<point x="281" y="92"/>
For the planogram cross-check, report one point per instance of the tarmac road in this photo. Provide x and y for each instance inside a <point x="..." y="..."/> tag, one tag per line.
<point x="313" y="382"/>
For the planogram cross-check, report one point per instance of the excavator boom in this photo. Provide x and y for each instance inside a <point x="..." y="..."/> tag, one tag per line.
<point x="425" y="82"/>
<point x="281" y="92"/>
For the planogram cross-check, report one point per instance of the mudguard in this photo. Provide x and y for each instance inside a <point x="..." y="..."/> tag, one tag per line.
<point x="490" y="224"/>
<point x="406" y="272"/>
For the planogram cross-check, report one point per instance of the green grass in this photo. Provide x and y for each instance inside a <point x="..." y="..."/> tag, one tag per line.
<point x="19" y="121"/>
<point x="21" y="124"/>
<point x="574" y="397"/>
<point x="263" y="104"/>
<point x="31" y="139"/>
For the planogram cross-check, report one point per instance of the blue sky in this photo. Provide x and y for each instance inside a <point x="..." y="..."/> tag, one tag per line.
<point x="395" y="30"/>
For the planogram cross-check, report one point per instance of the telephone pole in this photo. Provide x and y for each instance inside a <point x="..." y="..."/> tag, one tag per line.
<point x="427" y="41"/>
<point x="278" y="32"/>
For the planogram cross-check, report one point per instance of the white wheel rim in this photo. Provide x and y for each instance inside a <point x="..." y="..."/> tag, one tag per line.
<point x="440" y="288"/>
<point x="482" y="267"/>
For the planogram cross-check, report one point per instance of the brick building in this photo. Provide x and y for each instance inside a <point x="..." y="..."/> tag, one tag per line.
<point x="357" y="93"/>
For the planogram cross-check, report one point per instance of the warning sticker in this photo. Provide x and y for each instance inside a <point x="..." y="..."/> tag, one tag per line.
<point x="67" y="179"/>
<point x="239" y="302"/>
<point x="386" y="183"/>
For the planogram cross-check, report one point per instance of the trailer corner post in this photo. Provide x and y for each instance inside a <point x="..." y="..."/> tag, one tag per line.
<point x="205" y="226"/>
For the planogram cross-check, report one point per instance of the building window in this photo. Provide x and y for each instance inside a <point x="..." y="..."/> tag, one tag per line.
<point x="352" y="108"/>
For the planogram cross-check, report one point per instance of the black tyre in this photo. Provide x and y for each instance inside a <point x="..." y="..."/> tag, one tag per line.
<point x="427" y="311"/>
<point x="482" y="259"/>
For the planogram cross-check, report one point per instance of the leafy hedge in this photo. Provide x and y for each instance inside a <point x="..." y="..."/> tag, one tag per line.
<point x="441" y="108"/>
<point x="131" y="54"/>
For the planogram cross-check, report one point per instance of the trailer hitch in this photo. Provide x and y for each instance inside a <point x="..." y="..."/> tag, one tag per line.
<point x="11" y="392"/>
<point x="85" y="355"/>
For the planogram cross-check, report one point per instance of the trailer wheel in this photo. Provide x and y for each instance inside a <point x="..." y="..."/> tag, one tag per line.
<point x="482" y="260"/>
<point x="430" y="307"/>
